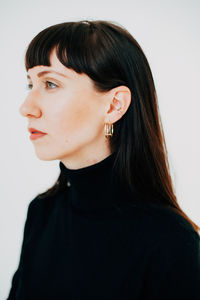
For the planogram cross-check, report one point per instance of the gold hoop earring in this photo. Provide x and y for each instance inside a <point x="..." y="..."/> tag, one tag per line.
<point x="108" y="129"/>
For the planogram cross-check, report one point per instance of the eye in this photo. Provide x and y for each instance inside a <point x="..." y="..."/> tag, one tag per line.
<point x="50" y="85"/>
<point x="29" y="86"/>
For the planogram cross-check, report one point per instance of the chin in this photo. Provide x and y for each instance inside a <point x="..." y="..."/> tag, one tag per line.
<point x="46" y="156"/>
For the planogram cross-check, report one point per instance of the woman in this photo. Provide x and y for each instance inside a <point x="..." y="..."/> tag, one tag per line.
<point x="110" y="227"/>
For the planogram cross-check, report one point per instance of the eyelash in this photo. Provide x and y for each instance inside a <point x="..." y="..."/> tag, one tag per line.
<point x="29" y="86"/>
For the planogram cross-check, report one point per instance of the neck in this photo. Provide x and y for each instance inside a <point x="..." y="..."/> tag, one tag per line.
<point x="94" y="187"/>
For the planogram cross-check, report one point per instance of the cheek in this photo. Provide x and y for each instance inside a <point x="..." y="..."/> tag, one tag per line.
<point x="73" y="119"/>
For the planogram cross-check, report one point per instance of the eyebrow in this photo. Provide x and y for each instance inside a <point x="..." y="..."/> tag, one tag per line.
<point x="40" y="74"/>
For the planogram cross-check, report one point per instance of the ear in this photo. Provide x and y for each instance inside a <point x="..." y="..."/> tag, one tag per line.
<point x="119" y="100"/>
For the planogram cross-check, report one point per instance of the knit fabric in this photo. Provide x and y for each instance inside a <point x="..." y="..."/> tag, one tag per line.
<point x="94" y="241"/>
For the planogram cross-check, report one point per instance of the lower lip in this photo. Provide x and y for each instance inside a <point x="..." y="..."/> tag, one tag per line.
<point x="35" y="136"/>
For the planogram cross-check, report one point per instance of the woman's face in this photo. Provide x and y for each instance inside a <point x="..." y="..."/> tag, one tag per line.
<point x="68" y="109"/>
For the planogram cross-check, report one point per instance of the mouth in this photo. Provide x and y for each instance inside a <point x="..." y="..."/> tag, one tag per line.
<point x="35" y="133"/>
<point x="33" y="130"/>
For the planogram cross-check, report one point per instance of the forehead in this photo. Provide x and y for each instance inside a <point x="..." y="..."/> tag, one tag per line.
<point x="56" y="66"/>
<point x="67" y="73"/>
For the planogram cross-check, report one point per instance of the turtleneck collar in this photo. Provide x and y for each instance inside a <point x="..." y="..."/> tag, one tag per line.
<point x="93" y="187"/>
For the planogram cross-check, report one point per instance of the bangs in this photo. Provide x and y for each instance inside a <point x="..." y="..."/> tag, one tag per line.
<point x="83" y="46"/>
<point x="69" y="40"/>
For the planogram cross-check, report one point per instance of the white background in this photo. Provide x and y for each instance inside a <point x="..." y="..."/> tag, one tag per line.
<point x="169" y="33"/>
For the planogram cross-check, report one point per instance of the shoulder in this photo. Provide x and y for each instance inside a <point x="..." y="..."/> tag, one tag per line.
<point x="159" y="223"/>
<point x="171" y="241"/>
<point x="40" y="208"/>
<point x="177" y="248"/>
<point x="173" y="259"/>
<point x="38" y="204"/>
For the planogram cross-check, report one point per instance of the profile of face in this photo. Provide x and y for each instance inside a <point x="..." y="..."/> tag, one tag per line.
<point x="66" y="106"/>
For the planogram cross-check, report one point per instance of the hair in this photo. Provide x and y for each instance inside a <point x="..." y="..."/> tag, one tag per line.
<point x="111" y="57"/>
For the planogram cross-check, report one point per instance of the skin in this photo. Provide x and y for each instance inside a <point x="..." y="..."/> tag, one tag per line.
<point x="72" y="113"/>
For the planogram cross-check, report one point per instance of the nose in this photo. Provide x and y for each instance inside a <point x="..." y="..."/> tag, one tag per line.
<point x="29" y="107"/>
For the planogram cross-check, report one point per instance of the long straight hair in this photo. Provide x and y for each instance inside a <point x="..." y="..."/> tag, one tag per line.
<point x="111" y="57"/>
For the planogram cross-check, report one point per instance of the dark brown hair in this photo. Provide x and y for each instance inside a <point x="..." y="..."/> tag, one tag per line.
<point x="111" y="57"/>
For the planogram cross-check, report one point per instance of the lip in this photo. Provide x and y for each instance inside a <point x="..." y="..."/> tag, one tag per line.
<point x="35" y="136"/>
<point x="32" y="130"/>
<point x="35" y="133"/>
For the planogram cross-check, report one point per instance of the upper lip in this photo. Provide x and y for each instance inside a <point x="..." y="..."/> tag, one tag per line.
<point x="31" y="130"/>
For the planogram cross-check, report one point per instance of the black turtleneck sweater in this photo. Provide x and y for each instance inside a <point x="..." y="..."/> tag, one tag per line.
<point x="93" y="241"/>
